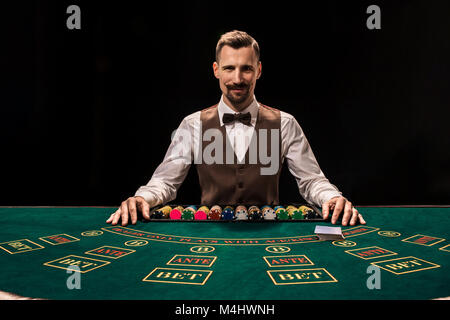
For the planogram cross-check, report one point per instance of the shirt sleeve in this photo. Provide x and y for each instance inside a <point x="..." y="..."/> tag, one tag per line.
<point x="170" y="174"/>
<point x="313" y="186"/>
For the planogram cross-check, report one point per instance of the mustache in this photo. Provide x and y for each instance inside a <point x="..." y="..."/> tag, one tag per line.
<point x="237" y="86"/>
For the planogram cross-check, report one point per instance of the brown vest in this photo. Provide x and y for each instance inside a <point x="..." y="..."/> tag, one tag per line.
<point x="239" y="183"/>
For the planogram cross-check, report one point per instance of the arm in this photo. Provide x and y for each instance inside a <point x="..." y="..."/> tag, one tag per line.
<point x="166" y="179"/>
<point x="170" y="174"/>
<point x="312" y="183"/>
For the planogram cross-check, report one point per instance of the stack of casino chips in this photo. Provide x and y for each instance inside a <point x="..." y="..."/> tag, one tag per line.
<point x="162" y="213"/>
<point x="307" y="212"/>
<point x="202" y="213"/>
<point x="215" y="213"/>
<point x="294" y="213"/>
<point x="281" y="213"/>
<point x="189" y="213"/>
<point x="175" y="213"/>
<point x="228" y="213"/>
<point x="241" y="213"/>
<point x="254" y="213"/>
<point x="268" y="213"/>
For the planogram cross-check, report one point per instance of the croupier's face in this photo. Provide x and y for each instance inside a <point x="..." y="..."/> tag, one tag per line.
<point x="237" y="71"/>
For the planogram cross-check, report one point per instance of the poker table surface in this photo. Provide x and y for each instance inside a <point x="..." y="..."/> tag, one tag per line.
<point x="66" y="253"/>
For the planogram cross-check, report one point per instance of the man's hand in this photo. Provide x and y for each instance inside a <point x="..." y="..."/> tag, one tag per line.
<point x="129" y="207"/>
<point x="336" y="205"/>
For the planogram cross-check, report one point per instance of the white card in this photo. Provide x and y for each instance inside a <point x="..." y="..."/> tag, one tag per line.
<point x="329" y="233"/>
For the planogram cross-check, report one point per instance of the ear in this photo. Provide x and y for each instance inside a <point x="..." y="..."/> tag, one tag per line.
<point x="216" y="69"/>
<point x="259" y="70"/>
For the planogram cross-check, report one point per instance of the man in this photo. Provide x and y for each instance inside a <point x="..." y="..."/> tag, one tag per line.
<point x="243" y="124"/>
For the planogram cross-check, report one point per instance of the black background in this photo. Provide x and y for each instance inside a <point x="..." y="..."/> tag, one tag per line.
<point x="86" y="115"/>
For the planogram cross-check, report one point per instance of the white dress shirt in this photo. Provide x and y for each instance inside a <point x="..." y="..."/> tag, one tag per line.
<point x="295" y="150"/>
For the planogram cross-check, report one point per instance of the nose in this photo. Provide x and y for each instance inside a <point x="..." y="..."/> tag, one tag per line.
<point x="237" y="76"/>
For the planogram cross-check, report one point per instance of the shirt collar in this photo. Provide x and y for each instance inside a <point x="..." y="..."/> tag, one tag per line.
<point x="252" y="108"/>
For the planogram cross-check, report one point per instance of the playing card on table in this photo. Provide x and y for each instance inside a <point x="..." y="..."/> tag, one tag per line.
<point x="329" y="233"/>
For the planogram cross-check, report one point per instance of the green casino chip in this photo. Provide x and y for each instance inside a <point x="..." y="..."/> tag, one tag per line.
<point x="282" y="214"/>
<point x="187" y="214"/>
<point x="297" y="215"/>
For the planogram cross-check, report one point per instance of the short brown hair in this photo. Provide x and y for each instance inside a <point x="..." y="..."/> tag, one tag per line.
<point x="236" y="39"/>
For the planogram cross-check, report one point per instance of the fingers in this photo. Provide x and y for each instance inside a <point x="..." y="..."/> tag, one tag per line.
<point x="347" y="212"/>
<point x="326" y="209"/>
<point x="328" y="206"/>
<point x="128" y="210"/>
<point x="355" y="215"/>
<point x="144" y="207"/>
<point x="337" y="205"/>
<point x="132" y="209"/>
<point x="361" y="219"/>
<point x="116" y="217"/>
<point x="337" y="209"/>
<point x="124" y="215"/>
<point x="110" y="218"/>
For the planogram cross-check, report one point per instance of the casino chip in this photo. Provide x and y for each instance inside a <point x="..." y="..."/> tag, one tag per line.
<point x="188" y="214"/>
<point x="310" y="214"/>
<point x="241" y="213"/>
<point x="200" y="215"/>
<point x="278" y="207"/>
<point x="175" y="213"/>
<point x="165" y="211"/>
<point x="307" y="212"/>
<point x="228" y="213"/>
<point x="205" y="209"/>
<point x="297" y="214"/>
<point x="254" y="213"/>
<point x="290" y="209"/>
<point x="268" y="213"/>
<point x="215" y="213"/>
<point x="157" y="214"/>
<point x="281" y="213"/>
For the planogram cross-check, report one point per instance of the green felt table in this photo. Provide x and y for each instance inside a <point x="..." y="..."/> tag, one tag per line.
<point x="214" y="261"/>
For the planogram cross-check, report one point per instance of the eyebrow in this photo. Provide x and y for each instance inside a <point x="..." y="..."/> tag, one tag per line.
<point x="248" y="66"/>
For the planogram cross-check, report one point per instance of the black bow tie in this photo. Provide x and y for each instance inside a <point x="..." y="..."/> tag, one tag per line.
<point x="245" y="118"/>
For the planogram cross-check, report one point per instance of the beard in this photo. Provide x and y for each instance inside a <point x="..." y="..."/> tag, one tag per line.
<point x="238" y="98"/>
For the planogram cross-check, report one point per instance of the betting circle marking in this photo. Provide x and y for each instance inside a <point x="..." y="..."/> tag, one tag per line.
<point x="92" y="233"/>
<point x="202" y="249"/>
<point x="389" y="234"/>
<point x="136" y="243"/>
<point x="344" y="243"/>
<point x="278" y="249"/>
